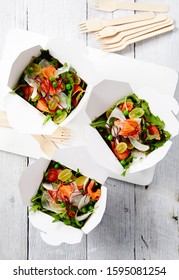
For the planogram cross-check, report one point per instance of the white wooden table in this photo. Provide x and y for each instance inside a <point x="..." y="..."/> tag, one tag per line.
<point x="139" y="222"/>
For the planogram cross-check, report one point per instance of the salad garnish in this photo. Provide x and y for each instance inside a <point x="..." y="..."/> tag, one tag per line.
<point x="66" y="195"/>
<point x="52" y="88"/>
<point x="131" y="130"/>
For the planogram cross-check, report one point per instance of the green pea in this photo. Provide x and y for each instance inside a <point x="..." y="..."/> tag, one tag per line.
<point x="111" y="123"/>
<point x="125" y="112"/>
<point x="68" y="86"/>
<point x="55" y="84"/>
<point x="123" y="162"/>
<point x="59" y="112"/>
<point x="56" y="166"/>
<point x="83" y="210"/>
<point x="147" y="124"/>
<point x="30" y="69"/>
<point x="63" y="204"/>
<point x="90" y="208"/>
<point x="52" y="79"/>
<point x="110" y="137"/>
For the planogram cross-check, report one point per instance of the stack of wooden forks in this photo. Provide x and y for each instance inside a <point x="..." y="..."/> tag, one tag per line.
<point x="116" y="34"/>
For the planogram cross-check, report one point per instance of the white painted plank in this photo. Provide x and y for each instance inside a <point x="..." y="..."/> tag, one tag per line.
<point x="157" y="208"/>
<point x="114" y="237"/>
<point x="13" y="214"/>
<point x="56" y="18"/>
<point x="13" y="233"/>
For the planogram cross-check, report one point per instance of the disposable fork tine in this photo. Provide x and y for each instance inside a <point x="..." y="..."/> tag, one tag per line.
<point x="97" y="24"/>
<point x="112" y="30"/>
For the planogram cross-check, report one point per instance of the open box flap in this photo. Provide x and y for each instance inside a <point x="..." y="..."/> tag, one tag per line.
<point x="31" y="178"/>
<point x="76" y="54"/>
<point x="79" y="158"/>
<point x="54" y="233"/>
<point x="100" y="207"/>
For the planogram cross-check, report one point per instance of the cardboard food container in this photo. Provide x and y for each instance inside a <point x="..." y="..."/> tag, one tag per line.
<point x="73" y="158"/>
<point x="25" y="118"/>
<point x="106" y="94"/>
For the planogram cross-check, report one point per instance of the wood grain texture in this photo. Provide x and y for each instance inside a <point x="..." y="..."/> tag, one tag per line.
<point x="139" y="222"/>
<point x="157" y="208"/>
<point x="13" y="214"/>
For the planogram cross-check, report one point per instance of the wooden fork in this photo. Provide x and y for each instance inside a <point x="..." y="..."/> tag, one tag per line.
<point x="92" y="25"/>
<point x="46" y="142"/>
<point x="119" y="47"/>
<point x="112" y="30"/>
<point x="112" y="5"/>
<point x="121" y="37"/>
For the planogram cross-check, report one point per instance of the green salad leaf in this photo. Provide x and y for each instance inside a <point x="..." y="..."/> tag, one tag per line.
<point x="155" y="120"/>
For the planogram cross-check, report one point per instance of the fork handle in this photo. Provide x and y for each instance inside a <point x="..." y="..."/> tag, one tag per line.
<point x="162" y="8"/>
<point x="128" y="19"/>
<point x="143" y="37"/>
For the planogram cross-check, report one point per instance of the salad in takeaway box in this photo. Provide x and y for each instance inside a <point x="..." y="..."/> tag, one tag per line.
<point x="55" y="89"/>
<point x="63" y="202"/>
<point x="129" y="132"/>
<point x="66" y="195"/>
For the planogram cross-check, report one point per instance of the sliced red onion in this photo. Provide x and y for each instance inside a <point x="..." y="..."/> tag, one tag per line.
<point x="63" y="100"/>
<point x="83" y="217"/>
<point x="44" y="63"/>
<point x="116" y="113"/>
<point x="62" y="70"/>
<point x="85" y="184"/>
<point x="76" y="198"/>
<point x="114" y="131"/>
<point x="84" y="201"/>
<point x="138" y="145"/>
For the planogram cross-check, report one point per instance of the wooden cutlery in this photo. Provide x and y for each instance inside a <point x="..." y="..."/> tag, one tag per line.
<point x="47" y="142"/>
<point x="92" y="25"/>
<point x="116" y="34"/>
<point x="122" y="46"/>
<point x="112" y="5"/>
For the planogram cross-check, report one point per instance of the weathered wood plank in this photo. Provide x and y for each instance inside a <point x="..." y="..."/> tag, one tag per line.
<point x="116" y="231"/>
<point x="57" y="18"/>
<point x="13" y="214"/>
<point x="156" y="221"/>
<point x="114" y="237"/>
<point x="13" y="233"/>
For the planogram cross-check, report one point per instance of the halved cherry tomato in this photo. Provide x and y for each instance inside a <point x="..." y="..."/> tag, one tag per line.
<point x="52" y="175"/>
<point x="27" y="92"/>
<point x="153" y="130"/>
<point x="71" y="214"/>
